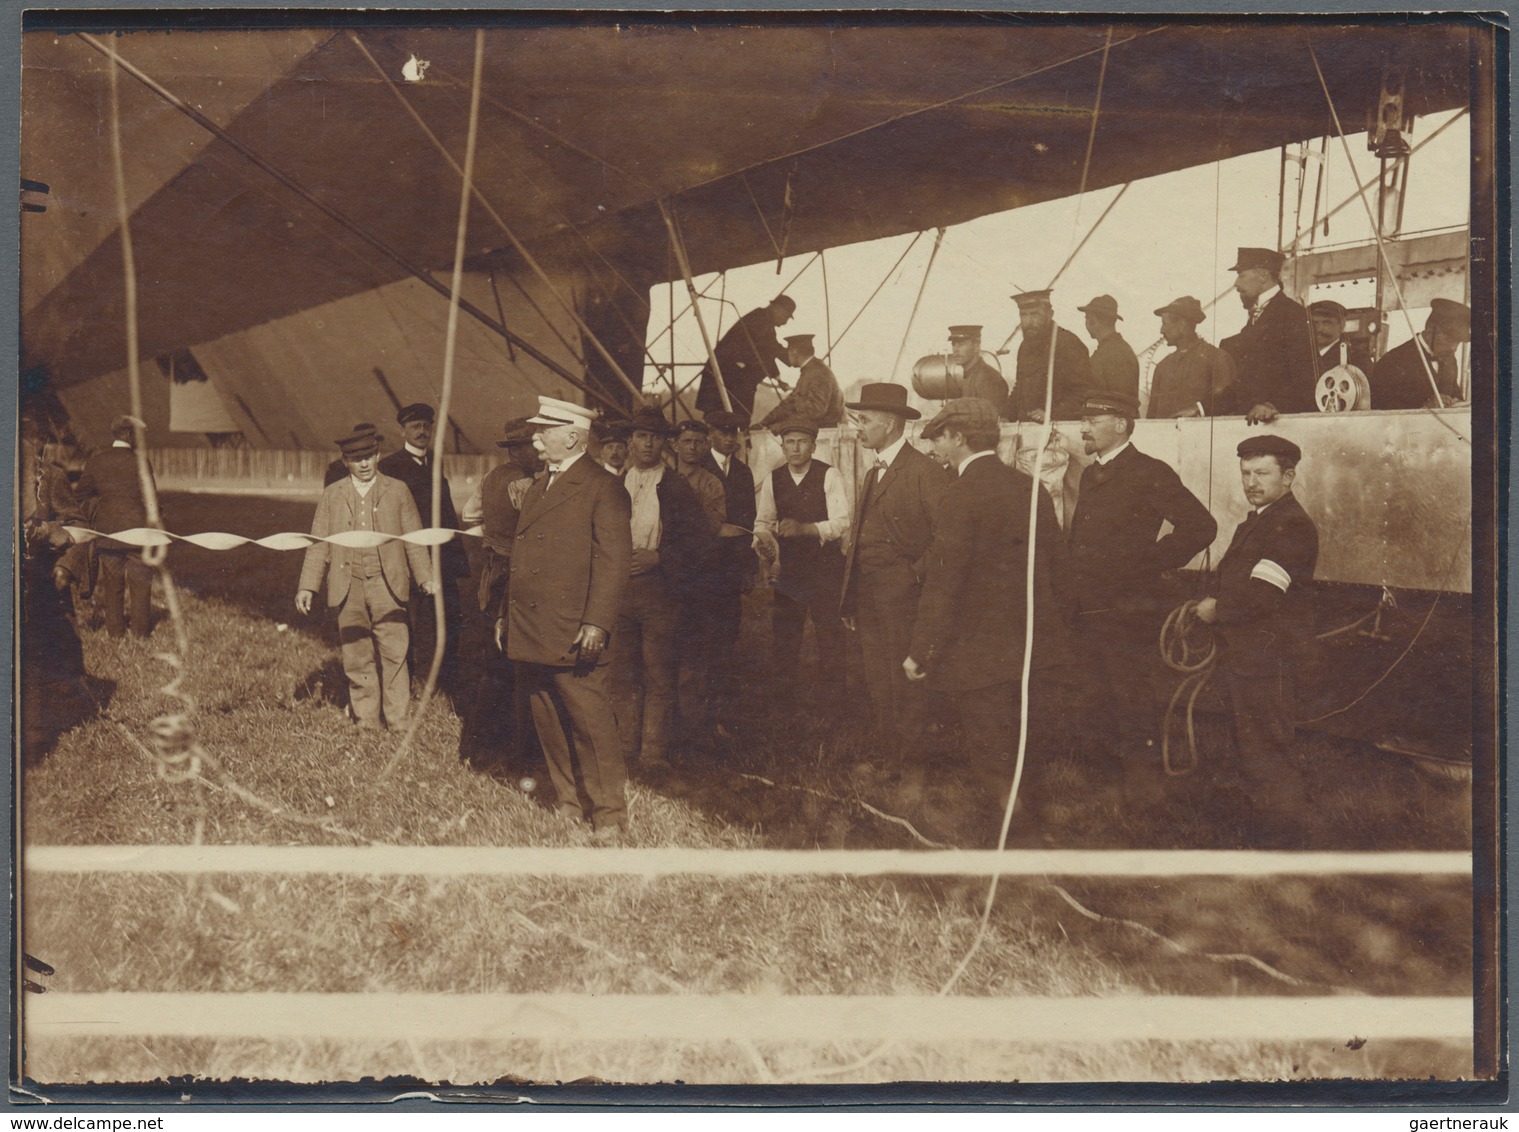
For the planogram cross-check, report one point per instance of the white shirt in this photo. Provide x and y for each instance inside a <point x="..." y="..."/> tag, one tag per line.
<point x="417" y="454"/>
<point x="120" y="444"/>
<point x="1110" y="456"/>
<point x="829" y="530"/>
<point x="974" y="456"/>
<point x="1262" y="299"/>
<point x="364" y="487"/>
<point x="889" y="453"/>
<point x="643" y="486"/>
<point x="565" y="464"/>
<point x="723" y="462"/>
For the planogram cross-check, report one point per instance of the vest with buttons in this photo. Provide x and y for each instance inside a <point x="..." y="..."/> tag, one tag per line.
<point x="365" y="562"/>
<point x="806" y="502"/>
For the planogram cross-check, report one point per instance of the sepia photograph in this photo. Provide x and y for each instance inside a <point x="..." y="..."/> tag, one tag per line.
<point x="572" y="553"/>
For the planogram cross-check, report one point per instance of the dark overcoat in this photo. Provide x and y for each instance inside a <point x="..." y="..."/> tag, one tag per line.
<point x="1275" y="359"/>
<point x="906" y="501"/>
<point x="1117" y="553"/>
<point x="574" y="547"/>
<point x="1262" y="628"/>
<point x="972" y="617"/>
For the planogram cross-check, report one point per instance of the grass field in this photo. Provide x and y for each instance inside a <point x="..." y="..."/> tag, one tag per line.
<point x="289" y="769"/>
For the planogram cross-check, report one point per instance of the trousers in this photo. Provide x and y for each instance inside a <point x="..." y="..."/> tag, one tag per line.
<point x="123" y="572"/>
<point x="1122" y="652"/>
<point x="886" y="607"/>
<point x="644" y="663"/>
<point x="373" y="635"/>
<point x="572" y="712"/>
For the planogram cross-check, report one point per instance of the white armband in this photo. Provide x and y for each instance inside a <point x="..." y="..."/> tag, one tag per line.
<point x="1268" y="571"/>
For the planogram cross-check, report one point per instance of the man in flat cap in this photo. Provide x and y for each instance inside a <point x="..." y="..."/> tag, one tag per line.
<point x="368" y="586"/>
<point x="1263" y="617"/>
<point x="110" y="492"/>
<point x="747" y="354"/>
<point x="692" y="443"/>
<point x="803" y="514"/>
<point x="1196" y="378"/>
<point x="897" y="502"/>
<point x="1117" y="557"/>
<point x="337" y="470"/>
<point x="969" y="635"/>
<point x="1072" y="366"/>
<point x="499" y="717"/>
<point x="1114" y="367"/>
<point x="1411" y="375"/>
<point x="673" y="544"/>
<point x="1273" y="354"/>
<point x="817" y="396"/>
<point x="979" y="378"/>
<point x="611" y="442"/>
<point x="569" y="572"/>
<point x="1331" y="349"/>
<point x="733" y="572"/>
<point x="412" y="464"/>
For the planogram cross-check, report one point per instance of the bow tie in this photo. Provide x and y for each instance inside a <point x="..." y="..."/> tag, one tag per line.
<point x="879" y="465"/>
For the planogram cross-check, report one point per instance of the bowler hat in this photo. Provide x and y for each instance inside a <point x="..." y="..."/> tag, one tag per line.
<point x="885" y="397"/>
<point x="1105" y="401"/>
<point x="786" y="301"/>
<point x="1286" y="452"/>
<point x="518" y="430"/>
<point x="964" y="414"/>
<point x="1105" y="305"/>
<point x="727" y="421"/>
<point x="416" y="411"/>
<point x="1265" y="258"/>
<point x="1185" y="307"/>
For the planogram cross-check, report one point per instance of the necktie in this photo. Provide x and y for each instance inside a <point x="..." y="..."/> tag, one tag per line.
<point x="553" y="471"/>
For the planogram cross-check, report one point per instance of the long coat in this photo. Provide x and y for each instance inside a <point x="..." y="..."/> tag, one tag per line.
<point x="395" y="513"/>
<point x="907" y="502"/>
<point x="1116" y="554"/>
<point x="748" y="353"/>
<point x="1261" y="627"/>
<point x="570" y="563"/>
<point x="110" y="491"/>
<point x="972" y="617"/>
<point x="1073" y="374"/>
<point x="1274" y="359"/>
<point x="402" y="465"/>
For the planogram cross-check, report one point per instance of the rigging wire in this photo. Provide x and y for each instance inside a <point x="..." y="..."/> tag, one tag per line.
<point x="1376" y="228"/>
<point x="518" y="245"/>
<point x="450" y="337"/>
<point x="912" y="317"/>
<point x="701" y="323"/>
<point x="1086" y="163"/>
<point x="885" y="279"/>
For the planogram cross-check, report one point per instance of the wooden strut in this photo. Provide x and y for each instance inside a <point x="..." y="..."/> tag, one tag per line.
<point x="685" y="271"/>
<point x="340" y="218"/>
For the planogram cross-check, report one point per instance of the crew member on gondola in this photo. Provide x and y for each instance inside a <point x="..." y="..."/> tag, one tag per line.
<point x="747" y="354"/>
<point x="1273" y="353"/>
<point x="1072" y="367"/>
<point x="981" y="379"/>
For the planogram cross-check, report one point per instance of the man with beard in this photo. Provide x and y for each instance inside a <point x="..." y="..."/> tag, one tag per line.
<point x="1072" y="367"/>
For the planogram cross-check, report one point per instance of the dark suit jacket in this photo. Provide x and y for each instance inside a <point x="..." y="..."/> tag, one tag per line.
<point x="738" y="490"/>
<point x="816" y="398"/>
<point x="748" y="354"/>
<point x="401" y="465"/>
<point x="1115" y="369"/>
<point x="984" y="381"/>
<point x="570" y="564"/>
<point x="971" y="621"/>
<point x="911" y="489"/>
<point x="394" y="513"/>
<point x="1261" y="628"/>
<point x="1072" y="376"/>
<point x="1274" y="359"/>
<point x="1116" y="557"/>
<point x="1326" y="360"/>
<point x="1399" y="380"/>
<point x="110" y="493"/>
